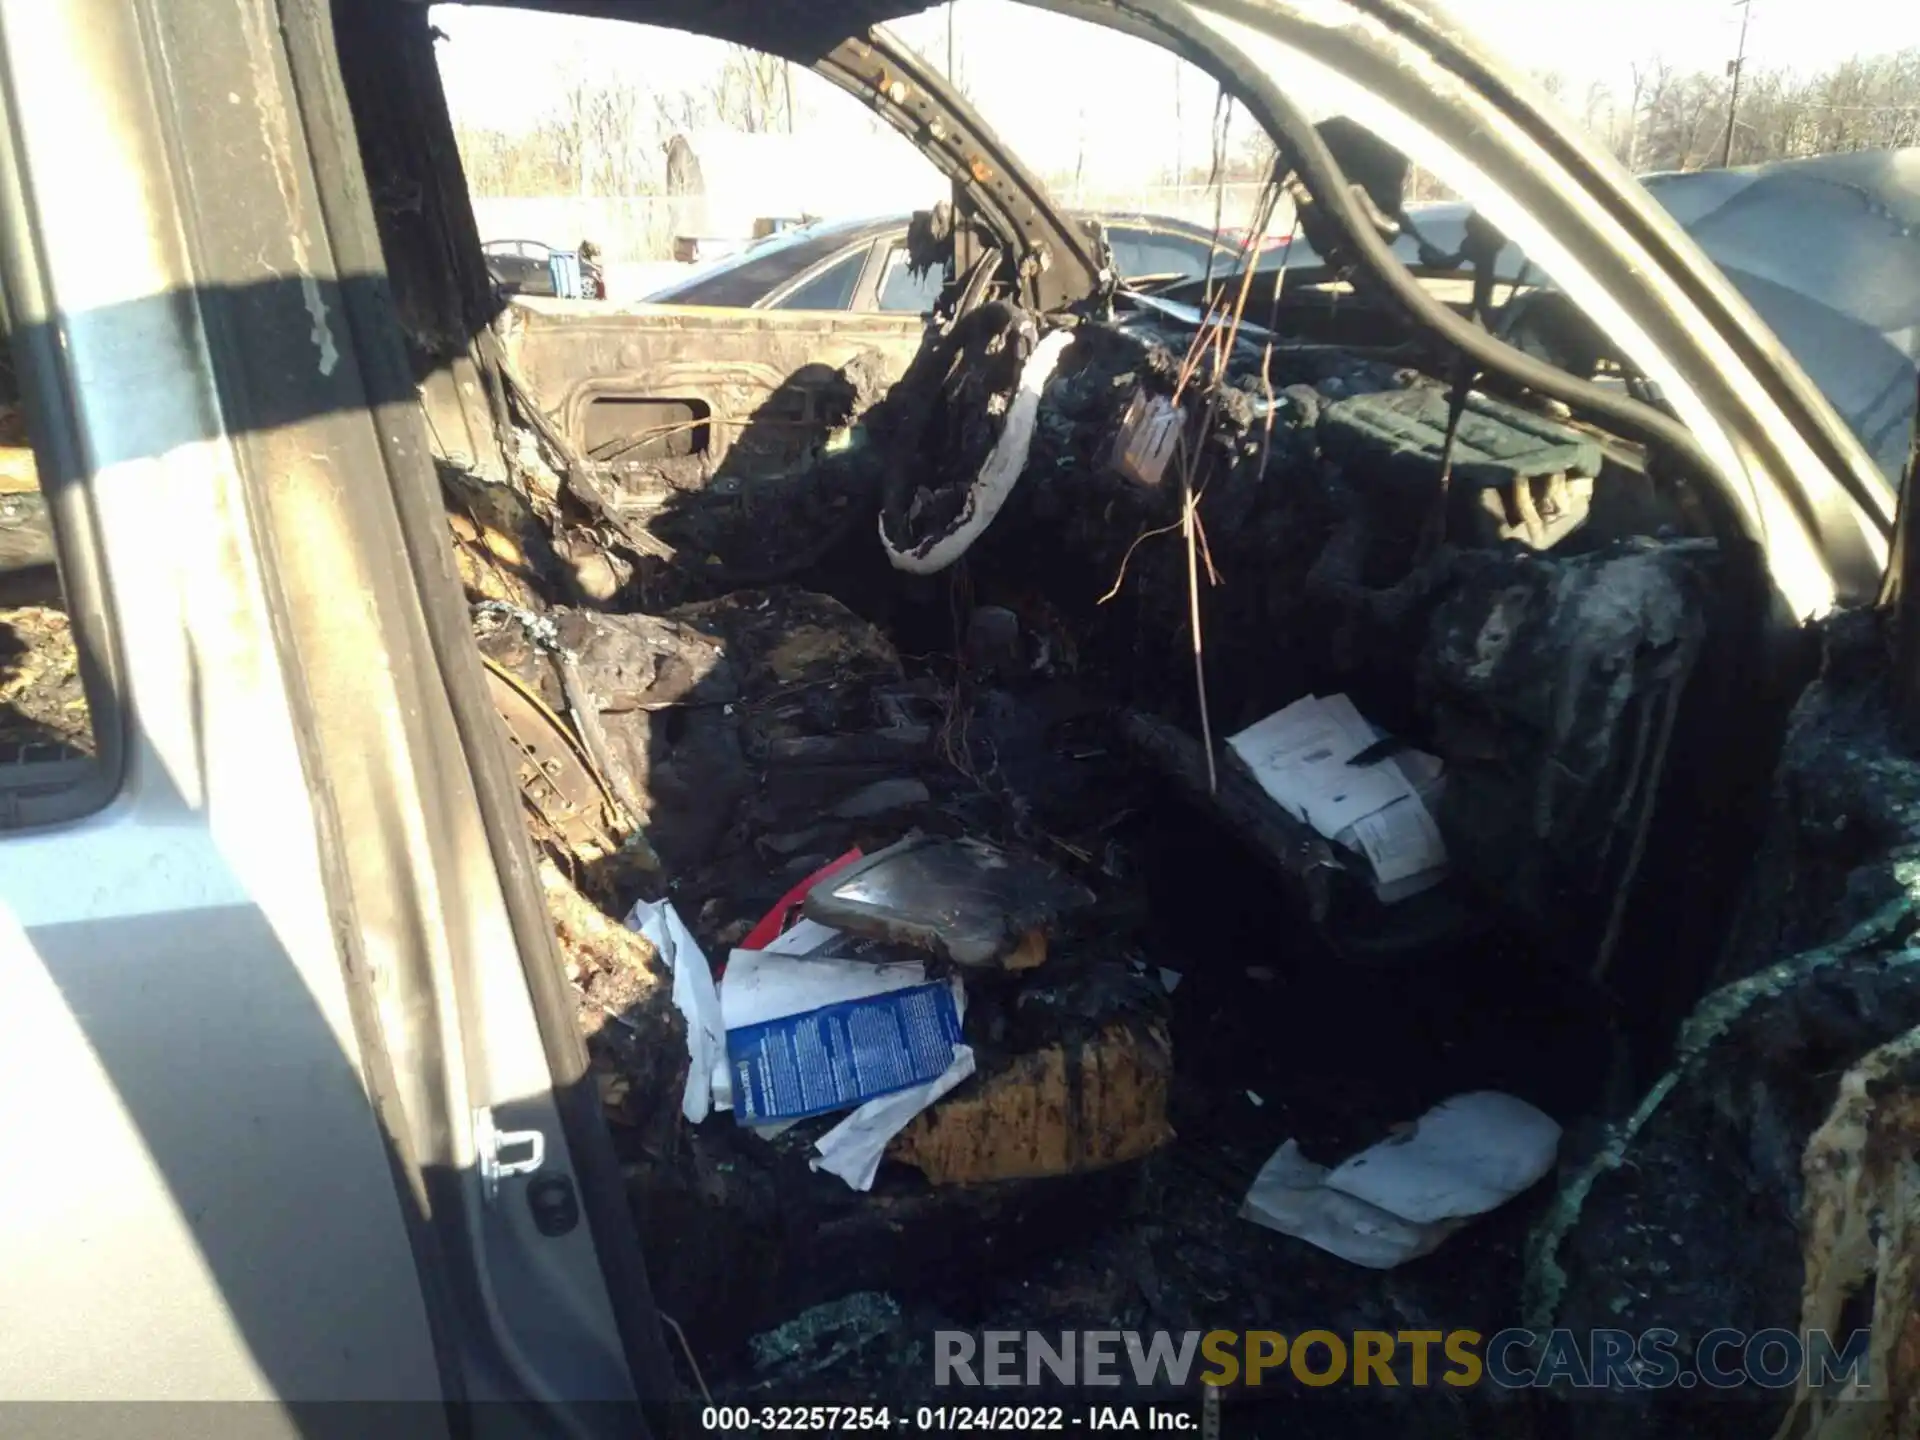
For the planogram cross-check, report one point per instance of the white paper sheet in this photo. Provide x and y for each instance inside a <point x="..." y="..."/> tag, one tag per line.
<point x="1464" y="1157"/>
<point x="708" y="1085"/>
<point x="1399" y="1199"/>
<point x="1400" y="841"/>
<point x="1290" y="1195"/>
<point x="853" y="1148"/>
<point x="1299" y="755"/>
<point x="771" y="984"/>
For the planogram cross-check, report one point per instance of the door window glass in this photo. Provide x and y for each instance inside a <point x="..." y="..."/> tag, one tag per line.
<point x="831" y="289"/>
<point x="902" y="291"/>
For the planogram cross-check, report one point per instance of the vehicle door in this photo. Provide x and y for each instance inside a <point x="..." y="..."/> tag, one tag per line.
<point x="295" y="1123"/>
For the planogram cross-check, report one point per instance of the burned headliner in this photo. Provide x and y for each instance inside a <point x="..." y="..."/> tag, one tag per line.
<point x="801" y="30"/>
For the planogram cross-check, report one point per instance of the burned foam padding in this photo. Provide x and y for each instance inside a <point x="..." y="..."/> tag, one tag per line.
<point x="1552" y="687"/>
<point x="959" y="433"/>
<point x="785" y="637"/>
<point x="804" y="664"/>
<point x="636" y="1037"/>
<point x="1524" y="477"/>
<point x="502" y="548"/>
<point x="1056" y="1110"/>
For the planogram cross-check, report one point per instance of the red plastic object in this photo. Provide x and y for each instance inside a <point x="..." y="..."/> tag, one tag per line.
<point x="775" y="920"/>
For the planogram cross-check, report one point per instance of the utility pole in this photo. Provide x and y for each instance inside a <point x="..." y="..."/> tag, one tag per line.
<point x="949" y="42"/>
<point x="1734" y="67"/>
<point x="1179" y="131"/>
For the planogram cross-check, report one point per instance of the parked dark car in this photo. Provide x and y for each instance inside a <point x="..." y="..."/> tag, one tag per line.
<point x="532" y="267"/>
<point x="520" y="267"/>
<point x="862" y="265"/>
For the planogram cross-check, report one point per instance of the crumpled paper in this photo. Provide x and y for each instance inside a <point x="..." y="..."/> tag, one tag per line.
<point x="694" y="995"/>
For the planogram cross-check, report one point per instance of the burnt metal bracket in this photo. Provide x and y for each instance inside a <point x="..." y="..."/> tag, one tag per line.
<point x="1900" y="591"/>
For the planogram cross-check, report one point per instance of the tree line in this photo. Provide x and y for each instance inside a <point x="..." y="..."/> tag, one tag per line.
<point x="607" y="138"/>
<point x="1663" y="119"/>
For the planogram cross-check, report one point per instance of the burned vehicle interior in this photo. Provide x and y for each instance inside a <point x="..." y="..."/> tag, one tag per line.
<point x="992" y="597"/>
<point x="969" y="636"/>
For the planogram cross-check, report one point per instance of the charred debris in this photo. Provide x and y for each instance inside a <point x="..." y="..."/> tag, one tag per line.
<point x="1028" y="599"/>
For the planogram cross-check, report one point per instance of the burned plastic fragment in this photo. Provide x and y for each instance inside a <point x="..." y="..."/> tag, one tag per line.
<point x="1519" y="476"/>
<point x="961" y="899"/>
<point x="930" y="239"/>
<point x="1305" y="861"/>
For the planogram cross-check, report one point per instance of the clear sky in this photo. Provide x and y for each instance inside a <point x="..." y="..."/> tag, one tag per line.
<point x="1113" y="109"/>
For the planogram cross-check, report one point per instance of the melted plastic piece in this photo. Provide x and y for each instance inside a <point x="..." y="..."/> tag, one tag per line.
<point x="1403" y="432"/>
<point x="961" y="899"/>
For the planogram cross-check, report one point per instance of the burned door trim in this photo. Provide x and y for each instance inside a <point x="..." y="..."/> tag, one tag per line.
<point x="493" y="895"/>
<point x="572" y="356"/>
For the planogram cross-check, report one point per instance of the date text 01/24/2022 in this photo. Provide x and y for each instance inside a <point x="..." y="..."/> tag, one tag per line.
<point x="956" y="1419"/>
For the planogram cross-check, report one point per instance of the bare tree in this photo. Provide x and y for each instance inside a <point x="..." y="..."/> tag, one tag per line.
<point x="1599" y="103"/>
<point x="1677" y="122"/>
<point x="1629" y="144"/>
<point x="499" y="163"/>
<point x="604" y="138"/>
<point x="753" y="92"/>
<point x="1258" y="155"/>
<point x="679" y="111"/>
<point x="600" y="133"/>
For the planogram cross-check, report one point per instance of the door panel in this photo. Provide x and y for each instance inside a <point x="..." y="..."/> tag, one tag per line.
<point x="764" y="388"/>
<point x="271" y="1029"/>
<point x="205" y="1207"/>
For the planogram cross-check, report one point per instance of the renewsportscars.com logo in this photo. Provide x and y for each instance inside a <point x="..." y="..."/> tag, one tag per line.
<point x="1614" y="1360"/>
